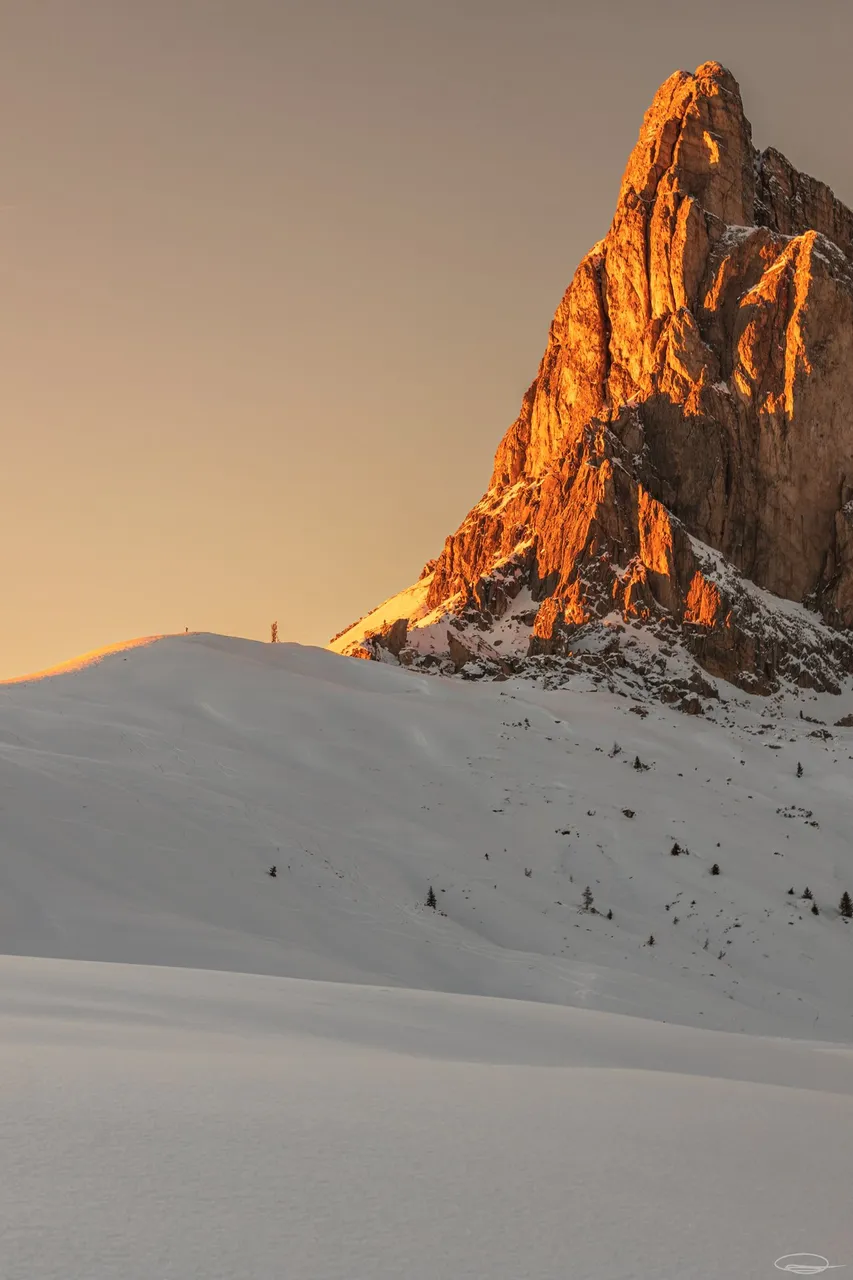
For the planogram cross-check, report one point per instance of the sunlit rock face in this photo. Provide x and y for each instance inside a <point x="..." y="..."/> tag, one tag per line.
<point x="695" y="397"/>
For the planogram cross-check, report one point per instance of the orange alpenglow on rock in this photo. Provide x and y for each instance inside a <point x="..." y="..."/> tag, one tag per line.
<point x="703" y="602"/>
<point x="682" y="466"/>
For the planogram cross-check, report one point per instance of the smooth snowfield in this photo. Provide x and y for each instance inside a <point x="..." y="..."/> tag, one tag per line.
<point x="144" y="796"/>
<point x="316" y="1076"/>
<point x="194" y="1126"/>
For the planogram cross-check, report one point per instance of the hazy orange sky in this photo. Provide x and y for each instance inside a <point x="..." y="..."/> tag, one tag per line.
<point x="274" y="275"/>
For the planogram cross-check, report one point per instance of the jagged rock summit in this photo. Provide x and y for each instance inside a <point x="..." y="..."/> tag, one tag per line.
<point x="679" y="480"/>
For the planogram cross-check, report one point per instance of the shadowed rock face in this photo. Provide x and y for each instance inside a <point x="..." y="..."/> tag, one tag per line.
<point x="697" y="384"/>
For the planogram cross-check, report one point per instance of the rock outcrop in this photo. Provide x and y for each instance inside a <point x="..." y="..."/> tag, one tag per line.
<point x="685" y="453"/>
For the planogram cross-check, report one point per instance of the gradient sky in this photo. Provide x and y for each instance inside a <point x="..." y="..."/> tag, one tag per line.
<point x="274" y="275"/>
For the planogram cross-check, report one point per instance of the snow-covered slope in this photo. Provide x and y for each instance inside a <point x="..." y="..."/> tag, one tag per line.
<point x="163" y="1120"/>
<point x="144" y="797"/>
<point x="163" y="1124"/>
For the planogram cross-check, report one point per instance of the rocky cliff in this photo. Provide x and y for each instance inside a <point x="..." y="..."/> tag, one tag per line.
<point x="682" y="465"/>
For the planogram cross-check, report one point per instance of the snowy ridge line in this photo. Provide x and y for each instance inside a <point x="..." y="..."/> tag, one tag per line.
<point x="148" y="797"/>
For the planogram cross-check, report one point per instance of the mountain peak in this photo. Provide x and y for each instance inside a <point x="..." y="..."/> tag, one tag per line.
<point x="696" y="139"/>
<point x="687" y="445"/>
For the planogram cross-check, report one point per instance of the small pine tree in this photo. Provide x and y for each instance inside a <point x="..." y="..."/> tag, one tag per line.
<point x="845" y="906"/>
<point x="807" y="893"/>
<point x="675" y="851"/>
<point x="715" y="870"/>
<point x="273" y="871"/>
<point x="609" y="913"/>
<point x="431" y="899"/>
<point x="651" y="941"/>
<point x="799" y="770"/>
<point x="587" y="898"/>
<point x="791" y="891"/>
<point x="274" y="633"/>
<point x="815" y="909"/>
<point x="638" y="764"/>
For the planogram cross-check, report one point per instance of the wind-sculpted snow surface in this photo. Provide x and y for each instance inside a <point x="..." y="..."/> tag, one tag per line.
<point x="180" y="1125"/>
<point x="169" y="1119"/>
<point x="144" y="799"/>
